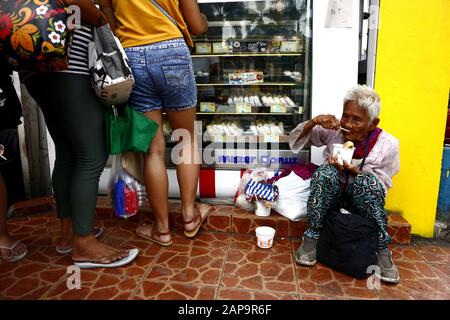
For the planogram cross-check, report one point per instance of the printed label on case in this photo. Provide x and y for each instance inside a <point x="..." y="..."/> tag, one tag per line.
<point x="220" y="47"/>
<point x="277" y="108"/>
<point x="207" y="107"/>
<point x="243" y="107"/>
<point x="289" y="46"/>
<point x="246" y="77"/>
<point x="271" y="138"/>
<point x="202" y="47"/>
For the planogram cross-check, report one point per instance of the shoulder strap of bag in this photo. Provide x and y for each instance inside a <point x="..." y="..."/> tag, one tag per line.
<point x="156" y="4"/>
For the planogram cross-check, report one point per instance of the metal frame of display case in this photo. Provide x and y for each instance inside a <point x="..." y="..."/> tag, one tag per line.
<point x="266" y="145"/>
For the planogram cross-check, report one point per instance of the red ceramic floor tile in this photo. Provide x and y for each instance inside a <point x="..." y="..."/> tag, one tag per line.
<point x="246" y="223"/>
<point x="259" y="270"/>
<point x="47" y="255"/>
<point x="417" y="281"/>
<point x="323" y="281"/>
<point x="248" y="242"/>
<point x="28" y="280"/>
<point x="402" y="252"/>
<point x="189" y="264"/>
<point x="434" y="253"/>
<point x="33" y="206"/>
<point x="399" y="234"/>
<point x="310" y="297"/>
<point x="151" y="290"/>
<point x="232" y="294"/>
<point x="95" y="285"/>
<point x="203" y="239"/>
<point x="218" y="222"/>
<point x="443" y="271"/>
<point x="297" y="228"/>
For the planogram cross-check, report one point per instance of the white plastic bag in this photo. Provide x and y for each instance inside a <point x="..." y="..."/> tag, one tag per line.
<point x="127" y="193"/>
<point x="293" y="196"/>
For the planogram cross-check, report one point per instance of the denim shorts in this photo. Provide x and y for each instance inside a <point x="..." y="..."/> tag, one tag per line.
<point x="164" y="76"/>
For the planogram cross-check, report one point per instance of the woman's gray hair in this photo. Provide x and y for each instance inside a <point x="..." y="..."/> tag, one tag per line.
<point x="366" y="98"/>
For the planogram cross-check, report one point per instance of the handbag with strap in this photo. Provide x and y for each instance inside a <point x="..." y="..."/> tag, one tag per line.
<point x="348" y="241"/>
<point x="34" y="35"/>
<point x="111" y="75"/>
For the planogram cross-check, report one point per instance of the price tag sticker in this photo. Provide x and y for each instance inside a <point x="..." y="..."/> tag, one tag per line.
<point x="220" y="47"/>
<point x="216" y="138"/>
<point x="271" y="138"/>
<point x="243" y="107"/>
<point x="207" y="107"/>
<point x="277" y="108"/>
<point x="202" y="47"/>
<point x="289" y="46"/>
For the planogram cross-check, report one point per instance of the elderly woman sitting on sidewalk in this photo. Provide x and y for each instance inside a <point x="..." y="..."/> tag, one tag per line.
<point x="366" y="188"/>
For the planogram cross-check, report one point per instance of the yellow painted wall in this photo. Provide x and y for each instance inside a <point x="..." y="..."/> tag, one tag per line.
<point x="413" y="79"/>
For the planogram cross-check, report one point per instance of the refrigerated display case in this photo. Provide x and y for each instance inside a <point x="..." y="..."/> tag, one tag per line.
<point x="252" y="70"/>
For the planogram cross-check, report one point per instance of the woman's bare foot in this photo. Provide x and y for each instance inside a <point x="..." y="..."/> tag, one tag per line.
<point x="65" y="242"/>
<point x="194" y="217"/>
<point x="161" y="237"/>
<point x="88" y="248"/>
<point x="7" y="242"/>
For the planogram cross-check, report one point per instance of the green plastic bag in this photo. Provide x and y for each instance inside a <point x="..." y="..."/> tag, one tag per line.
<point x="128" y="130"/>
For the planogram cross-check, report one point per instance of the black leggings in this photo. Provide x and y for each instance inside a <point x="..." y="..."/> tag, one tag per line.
<point x="74" y="118"/>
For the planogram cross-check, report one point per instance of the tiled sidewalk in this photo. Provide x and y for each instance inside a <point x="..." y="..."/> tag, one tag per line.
<point x="215" y="265"/>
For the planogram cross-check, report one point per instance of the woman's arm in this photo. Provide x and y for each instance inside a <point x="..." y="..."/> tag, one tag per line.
<point x="89" y="12"/>
<point x="196" y="21"/>
<point x="109" y="14"/>
<point x="302" y="134"/>
<point x="327" y="121"/>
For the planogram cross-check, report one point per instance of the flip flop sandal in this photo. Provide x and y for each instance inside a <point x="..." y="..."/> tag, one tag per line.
<point x="12" y="257"/>
<point x="157" y="233"/>
<point x="132" y="254"/>
<point x="198" y="217"/>
<point x="63" y="251"/>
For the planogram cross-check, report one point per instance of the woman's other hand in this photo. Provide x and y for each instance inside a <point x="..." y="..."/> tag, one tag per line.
<point x="327" y="121"/>
<point x="343" y="167"/>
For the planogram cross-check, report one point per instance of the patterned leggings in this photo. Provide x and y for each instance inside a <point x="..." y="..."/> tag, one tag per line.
<point x="367" y="195"/>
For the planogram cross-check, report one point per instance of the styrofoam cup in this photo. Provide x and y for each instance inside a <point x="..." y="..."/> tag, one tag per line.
<point x="343" y="154"/>
<point x="262" y="210"/>
<point x="264" y="237"/>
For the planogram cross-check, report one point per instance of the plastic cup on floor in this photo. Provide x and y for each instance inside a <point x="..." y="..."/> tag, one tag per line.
<point x="264" y="237"/>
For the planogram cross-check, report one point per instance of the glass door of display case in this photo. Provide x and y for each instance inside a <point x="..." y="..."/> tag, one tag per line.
<point x="252" y="70"/>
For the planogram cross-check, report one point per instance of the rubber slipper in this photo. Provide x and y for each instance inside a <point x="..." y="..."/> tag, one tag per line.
<point x="164" y="244"/>
<point x="64" y="251"/>
<point x="192" y="233"/>
<point x="132" y="254"/>
<point x="12" y="257"/>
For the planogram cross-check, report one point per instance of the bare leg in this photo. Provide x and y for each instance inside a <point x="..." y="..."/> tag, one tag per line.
<point x="187" y="172"/>
<point x="156" y="182"/>
<point x="5" y="239"/>
<point x="66" y="233"/>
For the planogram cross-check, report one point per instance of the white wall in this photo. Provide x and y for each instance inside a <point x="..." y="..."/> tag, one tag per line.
<point x="334" y="64"/>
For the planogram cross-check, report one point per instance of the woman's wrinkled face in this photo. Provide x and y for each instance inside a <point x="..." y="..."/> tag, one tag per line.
<point x="356" y="119"/>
